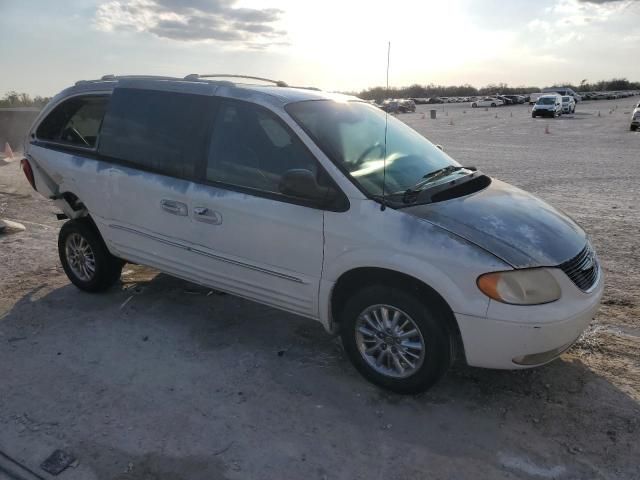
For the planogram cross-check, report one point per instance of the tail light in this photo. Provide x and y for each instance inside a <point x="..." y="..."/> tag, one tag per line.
<point x="28" y="172"/>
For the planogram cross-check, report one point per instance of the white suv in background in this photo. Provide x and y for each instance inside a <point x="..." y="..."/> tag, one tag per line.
<point x="568" y="104"/>
<point x="295" y="198"/>
<point x="635" y="119"/>
<point x="547" y="106"/>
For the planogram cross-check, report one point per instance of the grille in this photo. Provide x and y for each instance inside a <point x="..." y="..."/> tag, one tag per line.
<point x="582" y="269"/>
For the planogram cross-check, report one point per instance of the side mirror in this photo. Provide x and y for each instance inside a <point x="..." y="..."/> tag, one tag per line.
<point x="299" y="182"/>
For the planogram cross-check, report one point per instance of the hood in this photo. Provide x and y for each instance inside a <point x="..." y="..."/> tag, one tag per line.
<point x="512" y="224"/>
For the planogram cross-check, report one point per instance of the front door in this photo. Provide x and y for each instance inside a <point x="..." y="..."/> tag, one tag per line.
<point x="253" y="240"/>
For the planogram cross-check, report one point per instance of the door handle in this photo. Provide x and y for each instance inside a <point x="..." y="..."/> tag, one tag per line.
<point x="200" y="210"/>
<point x="173" y="207"/>
<point x="204" y="214"/>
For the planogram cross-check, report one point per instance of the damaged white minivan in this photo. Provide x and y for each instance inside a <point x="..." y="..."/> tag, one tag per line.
<point x="317" y="204"/>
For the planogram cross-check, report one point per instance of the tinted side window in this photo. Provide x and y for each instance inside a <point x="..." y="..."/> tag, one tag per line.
<point x="76" y="121"/>
<point x="251" y="147"/>
<point x="164" y="132"/>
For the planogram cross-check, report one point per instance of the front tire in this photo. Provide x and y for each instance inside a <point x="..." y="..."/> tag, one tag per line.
<point x="395" y="340"/>
<point x="493" y="105"/>
<point x="85" y="258"/>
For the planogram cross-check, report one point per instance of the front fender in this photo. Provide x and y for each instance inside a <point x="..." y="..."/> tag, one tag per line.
<point x="397" y="241"/>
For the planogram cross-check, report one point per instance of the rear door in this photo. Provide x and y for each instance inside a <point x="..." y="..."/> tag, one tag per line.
<point x="153" y="140"/>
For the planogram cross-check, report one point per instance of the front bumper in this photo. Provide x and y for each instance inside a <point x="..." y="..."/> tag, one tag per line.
<point x="543" y="113"/>
<point x="514" y="337"/>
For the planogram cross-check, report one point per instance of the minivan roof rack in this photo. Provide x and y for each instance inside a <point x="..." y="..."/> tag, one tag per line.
<point x="106" y="78"/>
<point x="195" y="76"/>
<point x="155" y="77"/>
<point x="190" y="77"/>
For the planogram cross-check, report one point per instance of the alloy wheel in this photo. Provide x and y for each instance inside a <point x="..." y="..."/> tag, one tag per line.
<point x="390" y="341"/>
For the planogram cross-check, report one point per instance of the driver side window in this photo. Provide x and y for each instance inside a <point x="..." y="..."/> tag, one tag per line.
<point x="75" y="122"/>
<point x="252" y="148"/>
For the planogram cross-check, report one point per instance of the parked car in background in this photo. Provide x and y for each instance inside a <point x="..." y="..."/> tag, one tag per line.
<point x="635" y="119"/>
<point x="563" y="91"/>
<point x="515" y="98"/>
<point x="402" y="105"/>
<point x="407" y="105"/>
<point x="533" y="97"/>
<point x="505" y="100"/>
<point x="568" y="104"/>
<point x="274" y="194"/>
<point x="547" y="106"/>
<point x="390" y="106"/>
<point x="487" y="102"/>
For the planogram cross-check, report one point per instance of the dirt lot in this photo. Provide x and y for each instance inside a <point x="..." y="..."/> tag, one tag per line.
<point x="159" y="379"/>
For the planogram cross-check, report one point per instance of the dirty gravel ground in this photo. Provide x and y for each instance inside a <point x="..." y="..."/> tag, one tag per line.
<point x="157" y="379"/>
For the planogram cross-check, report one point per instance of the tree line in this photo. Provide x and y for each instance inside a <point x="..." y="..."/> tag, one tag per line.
<point x="15" y="99"/>
<point x="466" y="90"/>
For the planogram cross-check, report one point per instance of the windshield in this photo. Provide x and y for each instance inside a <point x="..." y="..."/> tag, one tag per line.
<point x="566" y="99"/>
<point x="352" y="135"/>
<point x="546" y="101"/>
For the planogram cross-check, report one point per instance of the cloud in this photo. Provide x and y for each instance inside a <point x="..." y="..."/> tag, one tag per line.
<point x="193" y="20"/>
<point x="600" y="2"/>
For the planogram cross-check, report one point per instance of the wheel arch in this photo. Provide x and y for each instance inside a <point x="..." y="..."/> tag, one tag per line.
<point x="356" y="278"/>
<point x="71" y="205"/>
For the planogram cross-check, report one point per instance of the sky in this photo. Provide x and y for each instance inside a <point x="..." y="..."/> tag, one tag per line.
<point x="336" y="45"/>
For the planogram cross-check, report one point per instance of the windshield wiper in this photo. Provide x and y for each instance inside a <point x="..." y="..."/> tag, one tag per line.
<point x="410" y="195"/>
<point x="429" y="177"/>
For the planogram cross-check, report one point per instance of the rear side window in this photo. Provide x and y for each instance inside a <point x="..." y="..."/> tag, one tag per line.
<point x="164" y="132"/>
<point x="251" y="147"/>
<point x="75" y="121"/>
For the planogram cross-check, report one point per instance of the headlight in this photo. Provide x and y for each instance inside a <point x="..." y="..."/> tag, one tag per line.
<point x="520" y="287"/>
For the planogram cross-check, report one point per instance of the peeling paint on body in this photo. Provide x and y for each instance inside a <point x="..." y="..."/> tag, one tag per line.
<point x="512" y="224"/>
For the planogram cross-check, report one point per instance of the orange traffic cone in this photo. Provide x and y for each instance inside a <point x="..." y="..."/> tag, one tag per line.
<point x="7" y="150"/>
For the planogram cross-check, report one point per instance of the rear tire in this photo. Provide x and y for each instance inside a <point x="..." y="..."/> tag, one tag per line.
<point x="85" y="257"/>
<point x="493" y="105"/>
<point x="404" y="368"/>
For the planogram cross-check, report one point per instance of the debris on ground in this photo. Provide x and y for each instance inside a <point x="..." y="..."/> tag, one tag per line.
<point x="7" y="226"/>
<point x="57" y="462"/>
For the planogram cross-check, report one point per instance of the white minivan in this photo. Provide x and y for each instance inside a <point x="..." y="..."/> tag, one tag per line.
<point x="318" y="204"/>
